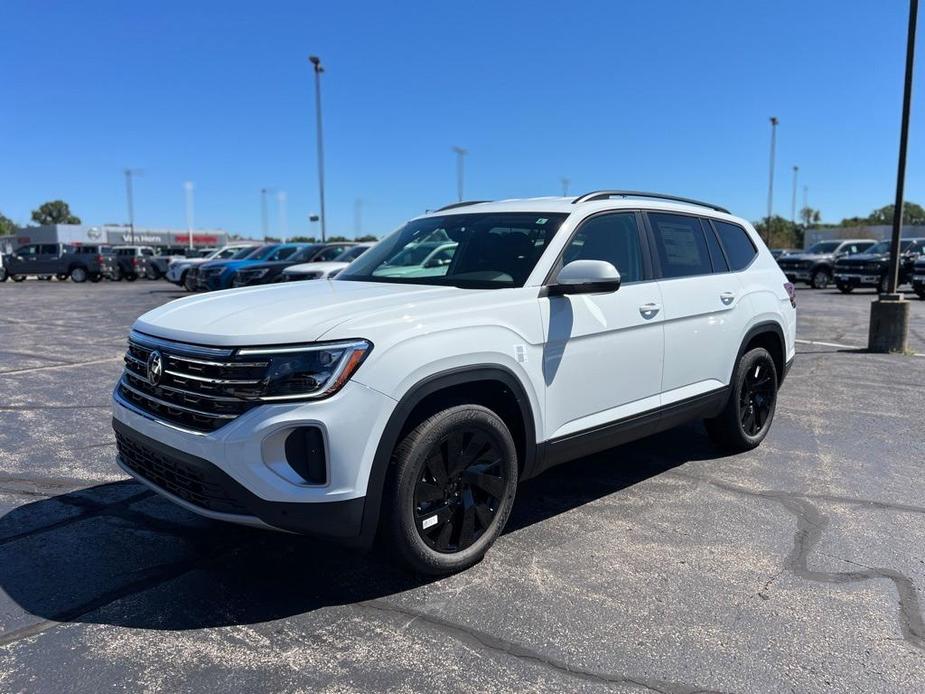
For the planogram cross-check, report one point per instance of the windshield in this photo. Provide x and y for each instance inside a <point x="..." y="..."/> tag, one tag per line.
<point x="351" y="254"/>
<point x="824" y="247"/>
<point x="282" y="253"/>
<point x="240" y="253"/>
<point x="304" y="253"/>
<point x="261" y="252"/>
<point x="884" y="247"/>
<point x="479" y="251"/>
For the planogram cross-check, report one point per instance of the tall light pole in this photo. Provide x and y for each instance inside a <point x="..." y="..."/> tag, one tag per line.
<point x="889" y="314"/>
<point x="264" y="224"/>
<point x="460" y="153"/>
<point x="793" y="202"/>
<point x="316" y="62"/>
<point x="188" y="186"/>
<point x="129" y="198"/>
<point x="767" y="230"/>
<point x="565" y="182"/>
<point x="281" y="210"/>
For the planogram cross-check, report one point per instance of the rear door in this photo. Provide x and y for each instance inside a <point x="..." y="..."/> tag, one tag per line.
<point x="705" y="315"/>
<point x="602" y="361"/>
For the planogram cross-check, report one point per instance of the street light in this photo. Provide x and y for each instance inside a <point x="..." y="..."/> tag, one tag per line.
<point x="565" y="183"/>
<point x="281" y="210"/>
<point x="767" y="230"/>
<point x="889" y="314"/>
<point x="316" y="62"/>
<point x="264" y="222"/>
<point x="188" y="186"/>
<point x="793" y="202"/>
<point x="460" y="153"/>
<point x="129" y="196"/>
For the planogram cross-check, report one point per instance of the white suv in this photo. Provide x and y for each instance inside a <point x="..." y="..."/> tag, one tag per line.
<point x="412" y="404"/>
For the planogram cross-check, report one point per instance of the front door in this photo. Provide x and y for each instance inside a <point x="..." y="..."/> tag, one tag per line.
<point x="603" y="354"/>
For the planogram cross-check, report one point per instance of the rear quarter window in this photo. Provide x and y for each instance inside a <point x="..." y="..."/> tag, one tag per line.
<point x="739" y="247"/>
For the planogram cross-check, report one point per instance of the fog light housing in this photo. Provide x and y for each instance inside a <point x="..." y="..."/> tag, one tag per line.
<point x="306" y="455"/>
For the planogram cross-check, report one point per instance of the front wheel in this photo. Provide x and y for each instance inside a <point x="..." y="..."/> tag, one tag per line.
<point x="18" y="278"/>
<point x="451" y="489"/>
<point x="747" y="416"/>
<point x="844" y="288"/>
<point x="820" y="279"/>
<point x="78" y="274"/>
<point x="188" y="281"/>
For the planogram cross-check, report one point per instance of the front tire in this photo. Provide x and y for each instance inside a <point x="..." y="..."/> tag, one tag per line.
<point x="451" y="489"/>
<point x="18" y="278"/>
<point x="749" y="412"/>
<point x="820" y="279"/>
<point x="78" y="274"/>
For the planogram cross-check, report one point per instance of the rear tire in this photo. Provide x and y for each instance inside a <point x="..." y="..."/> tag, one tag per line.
<point x="130" y="277"/>
<point x="749" y="412"/>
<point x="820" y="279"/>
<point x="450" y="490"/>
<point x="78" y="274"/>
<point x="18" y="278"/>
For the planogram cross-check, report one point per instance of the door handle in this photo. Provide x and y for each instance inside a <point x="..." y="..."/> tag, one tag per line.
<point x="649" y="310"/>
<point x="727" y="298"/>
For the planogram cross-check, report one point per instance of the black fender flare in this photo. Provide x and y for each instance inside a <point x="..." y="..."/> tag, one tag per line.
<point x="765" y="327"/>
<point x="428" y="386"/>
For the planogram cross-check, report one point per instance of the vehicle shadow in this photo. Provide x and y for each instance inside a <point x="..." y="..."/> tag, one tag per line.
<point x="118" y="554"/>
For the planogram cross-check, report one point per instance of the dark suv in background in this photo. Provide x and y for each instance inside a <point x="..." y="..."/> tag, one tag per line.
<point x="80" y="263"/>
<point x="870" y="269"/>
<point x="126" y="262"/>
<point x="272" y="271"/>
<point x="815" y="265"/>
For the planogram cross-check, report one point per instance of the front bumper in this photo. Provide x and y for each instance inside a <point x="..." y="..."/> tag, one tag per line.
<point x="239" y="473"/>
<point x="855" y="279"/>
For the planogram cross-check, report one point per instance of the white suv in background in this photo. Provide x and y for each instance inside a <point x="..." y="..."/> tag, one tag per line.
<point x="413" y="404"/>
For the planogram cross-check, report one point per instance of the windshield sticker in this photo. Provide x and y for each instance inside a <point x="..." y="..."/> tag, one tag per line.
<point x="542" y="220"/>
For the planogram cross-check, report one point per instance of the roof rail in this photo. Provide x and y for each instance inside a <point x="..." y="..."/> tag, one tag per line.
<point x="604" y="194"/>
<point x="459" y="204"/>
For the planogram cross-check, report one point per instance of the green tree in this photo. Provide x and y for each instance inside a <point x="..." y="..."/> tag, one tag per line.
<point x="784" y="233"/>
<point x="54" y="212"/>
<point x="335" y="239"/>
<point x="810" y="216"/>
<point x="912" y="214"/>
<point x="367" y="237"/>
<point x="303" y="239"/>
<point x="6" y="225"/>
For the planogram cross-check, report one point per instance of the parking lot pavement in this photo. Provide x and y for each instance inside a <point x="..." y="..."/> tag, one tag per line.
<point x="656" y="566"/>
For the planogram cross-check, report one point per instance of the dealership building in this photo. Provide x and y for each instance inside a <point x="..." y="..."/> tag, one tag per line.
<point x="111" y="234"/>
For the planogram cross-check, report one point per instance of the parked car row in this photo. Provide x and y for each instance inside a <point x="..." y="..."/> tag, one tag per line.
<point x="854" y="263"/>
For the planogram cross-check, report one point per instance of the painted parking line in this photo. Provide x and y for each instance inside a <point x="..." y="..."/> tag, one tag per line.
<point x="839" y="346"/>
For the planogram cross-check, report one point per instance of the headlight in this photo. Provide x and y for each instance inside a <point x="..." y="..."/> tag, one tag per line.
<point x="305" y="371"/>
<point x="255" y="274"/>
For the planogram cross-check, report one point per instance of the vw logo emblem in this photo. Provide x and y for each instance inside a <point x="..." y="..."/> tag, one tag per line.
<point x="155" y="368"/>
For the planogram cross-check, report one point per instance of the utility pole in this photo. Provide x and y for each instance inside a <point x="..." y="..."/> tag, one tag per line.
<point x="264" y="226"/>
<point x="316" y="63"/>
<point x="889" y="314"/>
<point x="460" y="153"/>
<point x="767" y="230"/>
<point x="565" y="183"/>
<point x="188" y="186"/>
<point x="129" y="196"/>
<point x="281" y="210"/>
<point x="793" y="202"/>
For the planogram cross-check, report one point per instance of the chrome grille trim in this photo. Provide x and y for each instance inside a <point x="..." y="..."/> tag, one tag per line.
<point x="215" y="381"/>
<point x="149" y="342"/>
<point x="173" y="405"/>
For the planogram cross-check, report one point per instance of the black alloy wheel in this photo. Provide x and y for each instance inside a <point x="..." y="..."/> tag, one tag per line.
<point x="820" y="279"/>
<point x="459" y="490"/>
<point x="756" y="399"/>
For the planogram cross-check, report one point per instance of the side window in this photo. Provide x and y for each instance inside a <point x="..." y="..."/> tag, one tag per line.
<point x="147" y="251"/>
<point x="681" y="245"/>
<point x="27" y="251"/>
<point x="48" y="249"/>
<point x="610" y="237"/>
<point x="739" y="248"/>
<point x="329" y="253"/>
<point x="716" y="253"/>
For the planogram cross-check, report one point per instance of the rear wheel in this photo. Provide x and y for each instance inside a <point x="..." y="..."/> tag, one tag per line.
<point x="95" y="277"/>
<point x="78" y="274"/>
<point x="820" y="279"/>
<point x="18" y="278"/>
<point x="747" y="416"/>
<point x="451" y="489"/>
<point x="130" y="277"/>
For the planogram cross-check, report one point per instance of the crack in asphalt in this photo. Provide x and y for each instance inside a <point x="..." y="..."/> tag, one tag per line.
<point x="69" y="365"/>
<point x="483" y="640"/>
<point x="810" y="525"/>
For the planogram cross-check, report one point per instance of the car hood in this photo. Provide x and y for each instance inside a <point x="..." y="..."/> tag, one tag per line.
<point x="312" y="267"/>
<point x="281" y="313"/>
<point x="865" y="257"/>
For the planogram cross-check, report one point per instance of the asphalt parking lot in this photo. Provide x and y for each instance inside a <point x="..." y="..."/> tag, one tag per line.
<point x="658" y="566"/>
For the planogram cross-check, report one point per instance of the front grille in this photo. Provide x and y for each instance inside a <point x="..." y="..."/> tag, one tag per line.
<point x="200" y="388"/>
<point x="850" y="266"/>
<point x="188" y="482"/>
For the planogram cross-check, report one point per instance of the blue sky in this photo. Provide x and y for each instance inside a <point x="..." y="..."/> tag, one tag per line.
<point x="666" y="96"/>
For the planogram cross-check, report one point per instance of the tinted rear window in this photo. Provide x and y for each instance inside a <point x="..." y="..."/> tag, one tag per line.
<point x="681" y="245"/>
<point x="739" y="248"/>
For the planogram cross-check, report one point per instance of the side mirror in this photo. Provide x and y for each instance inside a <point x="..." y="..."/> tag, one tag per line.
<point x="586" y="277"/>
